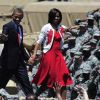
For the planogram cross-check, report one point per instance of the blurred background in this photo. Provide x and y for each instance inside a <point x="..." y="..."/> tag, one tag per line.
<point x="36" y="11"/>
<point x="36" y="15"/>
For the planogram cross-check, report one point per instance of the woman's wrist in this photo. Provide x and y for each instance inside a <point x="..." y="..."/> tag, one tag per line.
<point x="58" y="95"/>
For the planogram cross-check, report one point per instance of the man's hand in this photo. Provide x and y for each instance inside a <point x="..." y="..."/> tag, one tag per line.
<point x="31" y="59"/>
<point x="3" y="37"/>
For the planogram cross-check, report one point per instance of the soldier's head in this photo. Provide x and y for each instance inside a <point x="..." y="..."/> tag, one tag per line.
<point x="90" y="20"/>
<point x="97" y="17"/>
<point x="93" y="43"/>
<point x="78" y="57"/>
<point x="96" y="35"/>
<point x="82" y="28"/>
<point x="17" y="15"/>
<point x="77" y="21"/>
<point x="72" y="52"/>
<point x="86" y="51"/>
<point x="71" y="42"/>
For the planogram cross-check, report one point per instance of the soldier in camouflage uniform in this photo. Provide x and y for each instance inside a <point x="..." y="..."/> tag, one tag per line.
<point x="92" y="28"/>
<point x="97" y="37"/>
<point x="76" y="63"/>
<point x="83" y="36"/>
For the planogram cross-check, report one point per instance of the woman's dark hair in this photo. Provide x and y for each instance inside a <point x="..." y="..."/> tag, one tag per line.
<point x="52" y="14"/>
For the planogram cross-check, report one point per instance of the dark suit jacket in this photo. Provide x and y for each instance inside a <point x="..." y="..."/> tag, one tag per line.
<point x="12" y="53"/>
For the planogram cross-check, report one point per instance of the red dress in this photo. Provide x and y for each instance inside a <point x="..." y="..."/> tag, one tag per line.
<point x="52" y="67"/>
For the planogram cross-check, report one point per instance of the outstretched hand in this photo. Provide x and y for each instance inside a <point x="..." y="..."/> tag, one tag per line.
<point x="80" y="89"/>
<point x="3" y="37"/>
<point x="57" y="87"/>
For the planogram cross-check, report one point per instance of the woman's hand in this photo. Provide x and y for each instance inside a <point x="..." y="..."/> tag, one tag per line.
<point x="31" y="59"/>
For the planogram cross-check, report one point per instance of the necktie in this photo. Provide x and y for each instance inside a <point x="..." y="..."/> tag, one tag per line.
<point x="19" y="35"/>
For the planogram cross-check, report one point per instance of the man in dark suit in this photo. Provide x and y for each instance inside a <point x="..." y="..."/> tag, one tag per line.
<point x="13" y="55"/>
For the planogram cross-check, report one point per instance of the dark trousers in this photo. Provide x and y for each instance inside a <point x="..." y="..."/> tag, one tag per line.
<point x="20" y="74"/>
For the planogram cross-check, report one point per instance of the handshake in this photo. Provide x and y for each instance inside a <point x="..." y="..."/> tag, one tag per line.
<point x="36" y="57"/>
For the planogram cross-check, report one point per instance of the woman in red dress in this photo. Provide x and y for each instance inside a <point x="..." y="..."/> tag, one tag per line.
<point x="52" y="66"/>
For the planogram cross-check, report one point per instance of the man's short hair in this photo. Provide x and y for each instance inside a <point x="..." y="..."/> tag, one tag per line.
<point x="19" y="10"/>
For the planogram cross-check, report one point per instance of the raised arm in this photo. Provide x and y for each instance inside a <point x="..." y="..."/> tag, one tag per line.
<point x="3" y="35"/>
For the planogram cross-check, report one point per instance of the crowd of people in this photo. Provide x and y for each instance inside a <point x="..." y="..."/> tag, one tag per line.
<point x="64" y="60"/>
<point x="81" y="51"/>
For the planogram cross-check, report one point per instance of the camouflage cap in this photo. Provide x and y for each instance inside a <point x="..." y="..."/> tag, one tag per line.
<point x="72" y="38"/>
<point x="97" y="14"/>
<point x="73" y="50"/>
<point x="83" y="24"/>
<point x="78" y="54"/>
<point x="86" y="47"/>
<point x="97" y="33"/>
<point x="91" y="17"/>
<point x="65" y="46"/>
<point x="93" y="41"/>
<point x="77" y="21"/>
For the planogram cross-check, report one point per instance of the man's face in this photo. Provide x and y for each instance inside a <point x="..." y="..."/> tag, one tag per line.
<point x="17" y="17"/>
<point x="83" y="29"/>
<point x="90" y="22"/>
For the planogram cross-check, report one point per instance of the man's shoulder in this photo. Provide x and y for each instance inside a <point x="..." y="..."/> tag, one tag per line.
<point x="8" y="23"/>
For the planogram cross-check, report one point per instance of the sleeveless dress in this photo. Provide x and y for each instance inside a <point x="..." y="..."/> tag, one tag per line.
<point x="52" y="67"/>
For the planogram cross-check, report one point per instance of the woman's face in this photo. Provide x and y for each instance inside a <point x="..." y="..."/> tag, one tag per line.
<point x="56" y="20"/>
